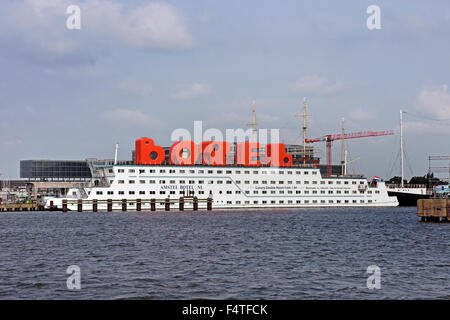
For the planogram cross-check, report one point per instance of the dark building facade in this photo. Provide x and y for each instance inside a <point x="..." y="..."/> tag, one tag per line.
<point x="54" y="170"/>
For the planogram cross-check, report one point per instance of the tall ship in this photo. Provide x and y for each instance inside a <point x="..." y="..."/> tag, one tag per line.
<point x="407" y="194"/>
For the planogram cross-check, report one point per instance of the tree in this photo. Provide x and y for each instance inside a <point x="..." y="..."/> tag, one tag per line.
<point x="396" y="180"/>
<point x="419" y="180"/>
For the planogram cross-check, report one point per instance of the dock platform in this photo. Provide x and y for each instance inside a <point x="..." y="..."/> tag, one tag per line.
<point x="434" y="210"/>
<point x="4" y="207"/>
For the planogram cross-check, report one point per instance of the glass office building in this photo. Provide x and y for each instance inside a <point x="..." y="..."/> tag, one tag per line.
<point x="54" y="170"/>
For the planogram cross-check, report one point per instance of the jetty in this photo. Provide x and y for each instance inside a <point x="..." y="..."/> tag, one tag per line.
<point x="16" y="206"/>
<point x="433" y="210"/>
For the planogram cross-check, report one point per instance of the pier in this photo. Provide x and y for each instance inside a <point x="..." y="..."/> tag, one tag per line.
<point x="33" y="206"/>
<point x="433" y="210"/>
<point x="110" y="205"/>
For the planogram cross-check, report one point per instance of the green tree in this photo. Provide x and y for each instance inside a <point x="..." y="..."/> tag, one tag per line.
<point x="419" y="180"/>
<point x="396" y="180"/>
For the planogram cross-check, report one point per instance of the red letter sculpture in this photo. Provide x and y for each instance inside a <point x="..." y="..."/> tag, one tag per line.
<point x="247" y="154"/>
<point x="215" y="153"/>
<point x="184" y="153"/>
<point x="276" y="155"/>
<point x="147" y="153"/>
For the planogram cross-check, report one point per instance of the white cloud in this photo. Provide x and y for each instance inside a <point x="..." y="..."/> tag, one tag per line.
<point x="360" y="114"/>
<point x="432" y="112"/>
<point x="417" y="127"/>
<point x="129" y="117"/>
<point x="37" y="29"/>
<point x="192" y="91"/>
<point x="135" y="87"/>
<point x="316" y="85"/>
<point x="435" y="101"/>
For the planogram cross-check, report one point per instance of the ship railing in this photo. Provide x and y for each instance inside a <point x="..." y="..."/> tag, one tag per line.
<point x="167" y="163"/>
<point x="406" y="185"/>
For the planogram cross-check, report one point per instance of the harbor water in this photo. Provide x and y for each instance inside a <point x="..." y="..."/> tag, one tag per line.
<point x="253" y="254"/>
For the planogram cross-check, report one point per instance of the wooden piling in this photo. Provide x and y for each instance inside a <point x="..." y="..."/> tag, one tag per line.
<point x="195" y="205"/>
<point x="167" y="204"/>
<point x="95" y="205"/>
<point x="152" y="204"/>
<point x="64" y="205"/>
<point x="209" y="204"/>
<point x="138" y="204"/>
<point x="109" y="205"/>
<point x="124" y="204"/>
<point x="181" y="204"/>
<point x="80" y="205"/>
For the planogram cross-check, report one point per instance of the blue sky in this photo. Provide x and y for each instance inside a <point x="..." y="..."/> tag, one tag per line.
<point x="145" y="68"/>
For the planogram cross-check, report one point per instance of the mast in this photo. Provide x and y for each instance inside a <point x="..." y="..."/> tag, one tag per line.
<point x="254" y="123"/>
<point x="401" y="147"/>
<point x="304" y="130"/>
<point x="343" y="150"/>
<point x="345" y="163"/>
<point x="115" y="153"/>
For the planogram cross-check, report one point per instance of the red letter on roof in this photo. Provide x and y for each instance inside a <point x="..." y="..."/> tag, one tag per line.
<point x="247" y="154"/>
<point x="276" y="155"/>
<point x="184" y="153"/>
<point x="147" y="153"/>
<point x="215" y="152"/>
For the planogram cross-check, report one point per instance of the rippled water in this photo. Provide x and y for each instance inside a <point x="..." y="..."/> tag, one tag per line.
<point x="269" y="254"/>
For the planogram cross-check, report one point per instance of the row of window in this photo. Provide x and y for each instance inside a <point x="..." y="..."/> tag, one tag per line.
<point x="300" y="201"/>
<point x="229" y="182"/>
<point x="150" y="192"/>
<point x="143" y="171"/>
<point x="132" y="192"/>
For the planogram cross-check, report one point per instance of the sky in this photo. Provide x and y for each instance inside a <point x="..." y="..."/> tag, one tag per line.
<point x="145" y="68"/>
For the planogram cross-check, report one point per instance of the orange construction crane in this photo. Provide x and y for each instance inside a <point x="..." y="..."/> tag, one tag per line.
<point x="332" y="137"/>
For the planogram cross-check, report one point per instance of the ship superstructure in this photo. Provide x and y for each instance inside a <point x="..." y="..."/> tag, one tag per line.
<point x="231" y="187"/>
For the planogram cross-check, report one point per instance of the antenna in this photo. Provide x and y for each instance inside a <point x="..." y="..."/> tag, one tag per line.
<point x="343" y="150"/>
<point x="304" y="115"/>
<point x="115" y="153"/>
<point x="253" y="124"/>
<point x="345" y="163"/>
<point x="401" y="147"/>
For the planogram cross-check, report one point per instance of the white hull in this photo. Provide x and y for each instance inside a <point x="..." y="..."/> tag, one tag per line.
<point x="229" y="187"/>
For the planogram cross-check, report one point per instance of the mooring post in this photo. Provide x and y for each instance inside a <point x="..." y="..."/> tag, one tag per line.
<point x="80" y="205"/>
<point x="181" y="204"/>
<point x="152" y="204"/>
<point x="138" y="204"/>
<point x="124" y="204"/>
<point x="64" y="205"/>
<point x="95" y="205"/>
<point x="167" y="204"/>
<point x="109" y="205"/>
<point x="195" y="203"/>
<point x="209" y="204"/>
<point x="51" y="205"/>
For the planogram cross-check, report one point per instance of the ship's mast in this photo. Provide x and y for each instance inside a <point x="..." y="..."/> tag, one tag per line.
<point x="304" y="130"/>
<point x="343" y="150"/>
<point x="345" y="163"/>
<point x="115" y="153"/>
<point x="254" y="123"/>
<point x="401" y="147"/>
